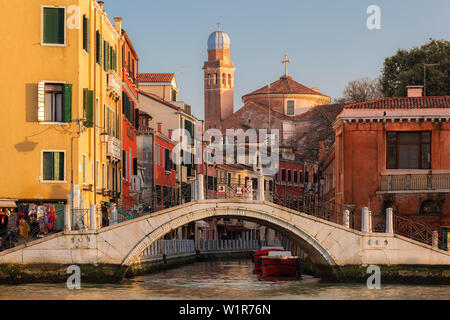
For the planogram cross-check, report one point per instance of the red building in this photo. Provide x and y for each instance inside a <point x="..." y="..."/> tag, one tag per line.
<point x="165" y="171"/>
<point x="392" y="152"/>
<point x="129" y="125"/>
<point x="290" y="178"/>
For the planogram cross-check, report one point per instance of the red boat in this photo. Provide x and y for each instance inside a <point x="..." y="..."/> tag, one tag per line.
<point x="280" y="264"/>
<point x="261" y="253"/>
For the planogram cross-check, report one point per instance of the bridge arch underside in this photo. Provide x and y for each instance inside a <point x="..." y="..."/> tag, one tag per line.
<point x="317" y="253"/>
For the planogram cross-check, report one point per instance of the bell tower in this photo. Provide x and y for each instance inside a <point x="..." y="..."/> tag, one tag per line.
<point x="219" y="80"/>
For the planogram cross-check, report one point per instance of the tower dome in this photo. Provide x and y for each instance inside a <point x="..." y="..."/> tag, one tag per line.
<point x="218" y="40"/>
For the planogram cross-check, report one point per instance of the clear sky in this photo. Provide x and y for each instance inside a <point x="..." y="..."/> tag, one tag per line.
<point x="328" y="42"/>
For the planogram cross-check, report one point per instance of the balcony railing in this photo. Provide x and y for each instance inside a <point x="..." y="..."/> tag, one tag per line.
<point x="114" y="85"/>
<point x="113" y="148"/>
<point x="415" y="181"/>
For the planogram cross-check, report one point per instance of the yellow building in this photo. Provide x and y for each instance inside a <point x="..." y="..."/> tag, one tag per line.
<point x="61" y="110"/>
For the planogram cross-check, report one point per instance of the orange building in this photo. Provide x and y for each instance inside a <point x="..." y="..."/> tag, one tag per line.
<point x="392" y="152"/>
<point x="129" y="122"/>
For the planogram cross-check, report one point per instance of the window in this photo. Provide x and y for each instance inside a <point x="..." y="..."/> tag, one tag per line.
<point x="389" y="204"/>
<point x="429" y="207"/>
<point x="53" y="166"/>
<point x="229" y="79"/>
<point x="300" y="176"/>
<point x="289" y="175"/>
<point x="109" y="123"/>
<point x="229" y="179"/>
<point x="167" y="160"/>
<point x="54" y="28"/>
<point x="290" y="107"/>
<point x="215" y="78"/>
<point x="103" y="175"/>
<point x="135" y="166"/>
<point x="86" y="29"/>
<point x="54" y="109"/>
<point x="209" y="79"/>
<point x="408" y="150"/>
<point x="283" y="175"/>
<point x="224" y="79"/>
<point x="294" y="173"/>
<point x="88" y="107"/>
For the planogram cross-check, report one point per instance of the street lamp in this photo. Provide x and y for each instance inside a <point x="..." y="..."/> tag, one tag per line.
<point x="425" y="65"/>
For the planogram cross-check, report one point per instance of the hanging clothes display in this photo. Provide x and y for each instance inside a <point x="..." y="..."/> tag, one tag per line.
<point x="42" y="217"/>
<point x="33" y="220"/>
<point x="3" y="223"/>
<point x="51" y="218"/>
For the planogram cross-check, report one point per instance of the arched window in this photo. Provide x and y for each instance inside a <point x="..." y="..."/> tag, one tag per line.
<point x="215" y="78"/>
<point x="429" y="207"/>
<point x="229" y="79"/>
<point x="389" y="204"/>
<point x="224" y="79"/>
<point x="209" y="79"/>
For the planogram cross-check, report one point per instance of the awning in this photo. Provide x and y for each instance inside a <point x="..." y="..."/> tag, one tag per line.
<point x="236" y="228"/>
<point x="8" y="204"/>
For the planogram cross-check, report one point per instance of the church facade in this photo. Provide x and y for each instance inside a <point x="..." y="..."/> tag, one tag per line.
<point x="285" y="105"/>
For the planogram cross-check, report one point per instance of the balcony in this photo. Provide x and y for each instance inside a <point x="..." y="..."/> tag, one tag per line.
<point x="410" y="182"/>
<point x="114" y="84"/>
<point x="113" y="148"/>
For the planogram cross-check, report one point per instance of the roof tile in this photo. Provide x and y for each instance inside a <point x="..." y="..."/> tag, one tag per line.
<point x="155" y="77"/>
<point x="285" y="85"/>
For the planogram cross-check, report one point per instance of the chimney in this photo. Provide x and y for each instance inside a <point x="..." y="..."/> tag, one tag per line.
<point x="170" y="134"/>
<point x="414" y="91"/>
<point x="118" y="21"/>
<point x="159" y="124"/>
<point x="101" y="3"/>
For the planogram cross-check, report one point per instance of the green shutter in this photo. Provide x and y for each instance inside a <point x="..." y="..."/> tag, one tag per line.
<point x="47" y="166"/>
<point x="54" y="25"/>
<point x="67" y="103"/>
<point x="100" y="49"/>
<point x="105" y="64"/>
<point x="90" y="109"/>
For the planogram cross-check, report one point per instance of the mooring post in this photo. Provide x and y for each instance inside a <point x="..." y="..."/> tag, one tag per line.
<point x="346" y="218"/>
<point x="67" y="218"/>
<point x="92" y="217"/>
<point x="365" y="223"/>
<point x="389" y="220"/>
<point x="200" y="184"/>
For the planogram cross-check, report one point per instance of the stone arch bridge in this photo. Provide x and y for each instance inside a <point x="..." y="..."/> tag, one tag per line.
<point x="327" y="243"/>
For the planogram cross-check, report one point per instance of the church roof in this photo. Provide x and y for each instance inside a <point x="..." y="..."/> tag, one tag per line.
<point x="218" y="40"/>
<point x="285" y="85"/>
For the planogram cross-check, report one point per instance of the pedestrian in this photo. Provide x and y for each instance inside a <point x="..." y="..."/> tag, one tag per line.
<point x="24" y="228"/>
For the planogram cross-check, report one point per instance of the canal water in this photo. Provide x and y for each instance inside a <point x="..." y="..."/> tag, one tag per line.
<point x="221" y="280"/>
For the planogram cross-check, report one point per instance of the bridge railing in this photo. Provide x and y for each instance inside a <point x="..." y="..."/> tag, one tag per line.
<point x="228" y="245"/>
<point x="168" y="248"/>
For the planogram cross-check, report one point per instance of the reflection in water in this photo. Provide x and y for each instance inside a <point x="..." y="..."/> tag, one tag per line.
<point x="221" y="280"/>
